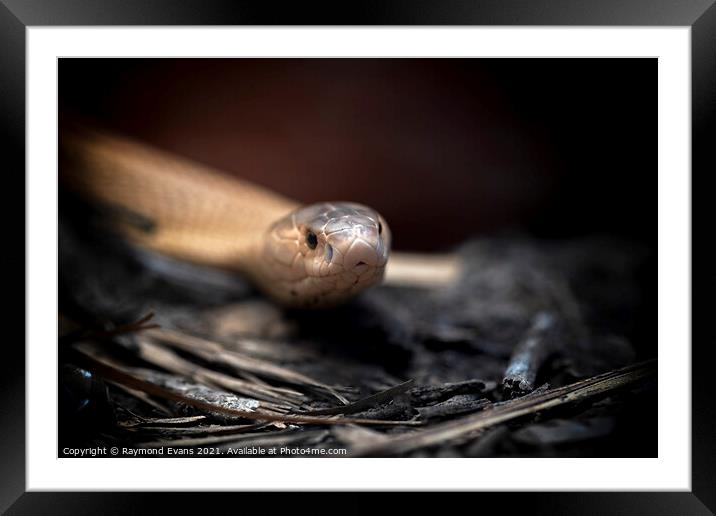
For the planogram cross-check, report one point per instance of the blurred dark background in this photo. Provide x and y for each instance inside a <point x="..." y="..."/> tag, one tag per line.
<point x="444" y="148"/>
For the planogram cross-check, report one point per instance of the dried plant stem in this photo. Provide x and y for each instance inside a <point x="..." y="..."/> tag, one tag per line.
<point x="500" y="413"/>
<point x="124" y="376"/>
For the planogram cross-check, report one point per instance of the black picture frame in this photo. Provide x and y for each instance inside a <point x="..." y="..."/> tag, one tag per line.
<point x="17" y="15"/>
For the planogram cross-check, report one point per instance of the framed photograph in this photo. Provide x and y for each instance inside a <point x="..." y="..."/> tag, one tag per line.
<point x="444" y="247"/>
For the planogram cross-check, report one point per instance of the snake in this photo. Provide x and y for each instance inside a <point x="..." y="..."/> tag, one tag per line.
<point x="305" y="256"/>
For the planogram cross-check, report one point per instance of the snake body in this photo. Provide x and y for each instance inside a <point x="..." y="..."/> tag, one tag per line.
<point x="304" y="256"/>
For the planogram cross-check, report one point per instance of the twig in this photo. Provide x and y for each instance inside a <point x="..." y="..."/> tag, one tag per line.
<point x="216" y="353"/>
<point x="107" y="369"/>
<point x="428" y="394"/>
<point x="365" y="403"/>
<point x="460" y="404"/>
<point x="500" y="413"/>
<point x="152" y="421"/>
<point x="170" y="361"/>
<point x="206" y="430"/>
<point x="530" y="354"/>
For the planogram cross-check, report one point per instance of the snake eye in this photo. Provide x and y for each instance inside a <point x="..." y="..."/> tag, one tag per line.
<point x="380" y="228"/>
<point x="311" y="239"/>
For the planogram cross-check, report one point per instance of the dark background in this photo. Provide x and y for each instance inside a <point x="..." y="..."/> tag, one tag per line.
<point x="444" y="148"/>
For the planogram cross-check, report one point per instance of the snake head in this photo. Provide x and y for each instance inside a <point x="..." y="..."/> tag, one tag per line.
<point x="322" y="254"/>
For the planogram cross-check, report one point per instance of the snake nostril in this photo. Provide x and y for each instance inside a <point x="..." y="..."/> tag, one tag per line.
<point x="361" y="263"/>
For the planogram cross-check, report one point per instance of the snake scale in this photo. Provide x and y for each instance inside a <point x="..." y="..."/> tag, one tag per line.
<point x="299" y="255"/>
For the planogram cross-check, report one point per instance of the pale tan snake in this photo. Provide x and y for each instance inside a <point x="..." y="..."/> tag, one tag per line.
<point x="306" y="256"/>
